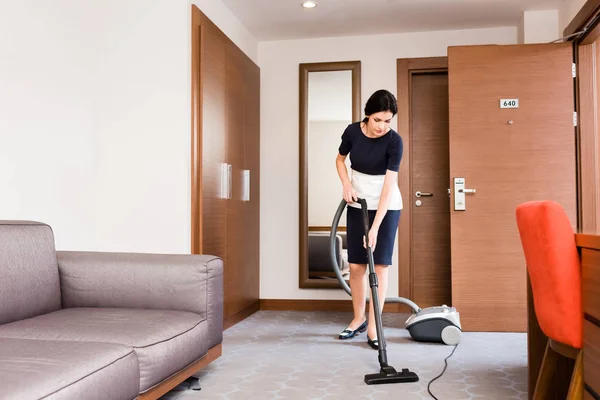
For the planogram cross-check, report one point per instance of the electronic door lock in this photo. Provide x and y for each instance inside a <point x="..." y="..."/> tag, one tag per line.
<point x="459" y="194"/>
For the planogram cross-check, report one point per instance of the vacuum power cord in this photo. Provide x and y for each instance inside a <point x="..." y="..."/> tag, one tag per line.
<point x="440" y="375"/>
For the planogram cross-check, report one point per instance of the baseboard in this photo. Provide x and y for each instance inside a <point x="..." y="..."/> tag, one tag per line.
<point x="228" y="322"/>
<point x="322" y="305"/>
<point x="303" y="305"/>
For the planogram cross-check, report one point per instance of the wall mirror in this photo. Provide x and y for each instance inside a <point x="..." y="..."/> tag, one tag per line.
<point x="329" y="101"/>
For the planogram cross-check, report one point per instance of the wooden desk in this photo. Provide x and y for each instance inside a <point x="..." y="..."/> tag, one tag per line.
<point x="589" y="248"/>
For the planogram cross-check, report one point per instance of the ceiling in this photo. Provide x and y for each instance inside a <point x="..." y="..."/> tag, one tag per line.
<point x="287" y="19"/>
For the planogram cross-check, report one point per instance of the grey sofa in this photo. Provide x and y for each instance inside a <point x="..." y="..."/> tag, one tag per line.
<point x="92" y="325"/>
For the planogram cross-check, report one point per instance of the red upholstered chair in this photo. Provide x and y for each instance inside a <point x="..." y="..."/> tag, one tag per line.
<point x="554" y="270"/>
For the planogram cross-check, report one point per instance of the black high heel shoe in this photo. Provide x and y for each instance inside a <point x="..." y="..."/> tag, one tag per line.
<point x="349" y="333"/>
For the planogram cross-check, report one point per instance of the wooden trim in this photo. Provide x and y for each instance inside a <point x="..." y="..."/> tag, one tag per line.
<point x="405" y="68"/>
<point x="157" y="391"/>
<point x="196" y="132"/>
<point x="587" y="143"/>
<point x="240" y="316"/>
<point x="405" y="283"/>
<point x="588" y="241"/>
<point x="589" y="10"/>
<point x="322" y="305"/>
<point x="429" y="64"/>
<point x="591" y="37"/>
<point x="325" y="228"/>
<point x="304" y="68"/>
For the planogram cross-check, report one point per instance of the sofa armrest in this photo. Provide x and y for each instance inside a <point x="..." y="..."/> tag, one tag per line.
<point x="180" y="282"/>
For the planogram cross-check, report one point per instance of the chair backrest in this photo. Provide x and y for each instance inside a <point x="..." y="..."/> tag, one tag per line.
<point x="319" y="252"/>
<point x="29" y="279"/>
<point x="554" y="269"/>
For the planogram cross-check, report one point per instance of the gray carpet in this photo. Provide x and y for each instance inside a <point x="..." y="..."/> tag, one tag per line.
<point x="296" y="355"/>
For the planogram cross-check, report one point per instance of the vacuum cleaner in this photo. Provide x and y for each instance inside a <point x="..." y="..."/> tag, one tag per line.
<point x="432" y="324"/>
<point x="387" y="373"/>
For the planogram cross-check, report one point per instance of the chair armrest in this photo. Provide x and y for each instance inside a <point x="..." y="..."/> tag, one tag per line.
<point x="180" y="282"/>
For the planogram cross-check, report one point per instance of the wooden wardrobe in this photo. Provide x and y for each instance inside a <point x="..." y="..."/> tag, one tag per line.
<point x="226" y="163"/>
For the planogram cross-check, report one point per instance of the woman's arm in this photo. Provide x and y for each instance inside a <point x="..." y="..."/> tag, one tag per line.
<point x="391" y="177"/>
<point x="349" y="193"/>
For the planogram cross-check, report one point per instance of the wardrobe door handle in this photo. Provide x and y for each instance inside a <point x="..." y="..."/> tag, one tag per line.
<point x="246" y="185"/>
<point x="223" y="181"/>
<point x="229" y="181"/>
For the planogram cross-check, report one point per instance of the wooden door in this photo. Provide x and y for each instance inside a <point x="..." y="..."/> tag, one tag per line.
<point x="430" y="170"/>
<point x="235" y="257"/>
<point x="509" y="156"/>
<point x="213" y="146"/>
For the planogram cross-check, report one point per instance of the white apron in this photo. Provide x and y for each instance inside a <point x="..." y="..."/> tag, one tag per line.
<point x="369" y="187"/>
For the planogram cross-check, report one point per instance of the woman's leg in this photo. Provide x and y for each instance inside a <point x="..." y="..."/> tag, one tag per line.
<point x="358" y="265"/>
<point x="358" y="286"/>
<point x="382" y="285"/>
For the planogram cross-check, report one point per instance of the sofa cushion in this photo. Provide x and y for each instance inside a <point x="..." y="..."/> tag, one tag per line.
<point x="29" y="271"/>
<point x="164" y="341"/>
<point x="35" y="369"/>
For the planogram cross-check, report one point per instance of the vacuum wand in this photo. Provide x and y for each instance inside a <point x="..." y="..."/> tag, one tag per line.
<point x="387" y="373"/>
<point x="374" y="285"/>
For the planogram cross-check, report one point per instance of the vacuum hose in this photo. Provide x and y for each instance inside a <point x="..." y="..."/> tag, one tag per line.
<point x="332" y="239"/>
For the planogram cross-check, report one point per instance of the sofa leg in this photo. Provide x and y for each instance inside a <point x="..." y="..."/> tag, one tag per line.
<point x="194" y="383"/>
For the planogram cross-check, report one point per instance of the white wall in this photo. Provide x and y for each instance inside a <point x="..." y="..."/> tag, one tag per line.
<point x="539" y="27"/>
<point x="279" y="132"/>
<point x="46" y="119"/>
<point x="220" y="15"/>
<point x="568" y="10"/>
<point x="95" y="119"/>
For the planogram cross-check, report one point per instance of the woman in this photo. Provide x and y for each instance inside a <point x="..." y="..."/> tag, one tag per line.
<point x="375" y="154"/>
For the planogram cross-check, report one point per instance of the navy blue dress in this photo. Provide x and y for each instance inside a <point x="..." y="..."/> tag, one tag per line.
<point x="370" y="158"/>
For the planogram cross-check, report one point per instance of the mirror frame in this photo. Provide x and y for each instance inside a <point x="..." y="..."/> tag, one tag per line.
<point x="304" y="69"/>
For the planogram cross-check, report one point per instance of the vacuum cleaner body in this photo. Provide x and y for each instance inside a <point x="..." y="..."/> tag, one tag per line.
<point x="435" y="324"/>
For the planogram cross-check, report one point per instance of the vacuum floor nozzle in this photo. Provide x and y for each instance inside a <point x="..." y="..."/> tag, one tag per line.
<point x="390" y="375"/>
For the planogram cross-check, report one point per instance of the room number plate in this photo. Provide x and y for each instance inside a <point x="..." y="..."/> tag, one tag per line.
<point x="509" y="103"/>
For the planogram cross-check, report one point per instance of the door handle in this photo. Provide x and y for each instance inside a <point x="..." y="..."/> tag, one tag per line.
<point x="420" y="194"/>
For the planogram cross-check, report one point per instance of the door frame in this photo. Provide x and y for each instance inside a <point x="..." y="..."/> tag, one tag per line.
<point x="199" y="20"/>
<point x="405" y="69"/>
<point x="583" y="32"/>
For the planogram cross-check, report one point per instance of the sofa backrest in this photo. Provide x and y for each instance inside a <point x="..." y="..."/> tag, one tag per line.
<point x="29" y="280"/>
